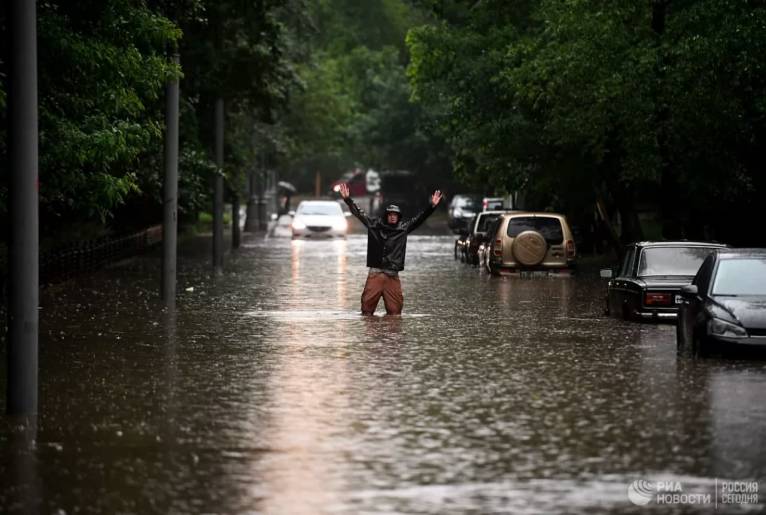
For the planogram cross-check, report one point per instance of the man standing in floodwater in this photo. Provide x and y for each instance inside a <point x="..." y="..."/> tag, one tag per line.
<point x="386" y="246"/>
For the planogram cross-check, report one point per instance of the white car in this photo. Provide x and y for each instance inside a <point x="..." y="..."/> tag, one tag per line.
<point x="319" y="219"/>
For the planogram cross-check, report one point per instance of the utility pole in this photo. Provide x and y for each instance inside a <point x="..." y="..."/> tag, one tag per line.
<point x="218" y="191"/>
<point x="23" y="252"/>
<point x="170" y="192"/>
<point x="251" y="216"/>
<point x="235" y="235"/>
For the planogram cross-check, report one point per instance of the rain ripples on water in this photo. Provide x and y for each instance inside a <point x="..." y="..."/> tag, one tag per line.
<point x="266" y="391"/>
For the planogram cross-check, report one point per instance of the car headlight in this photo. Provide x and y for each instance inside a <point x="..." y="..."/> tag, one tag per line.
<point x="723" y="328"/>
<point x="340" y="225"/>
<point x="297" y="224"/>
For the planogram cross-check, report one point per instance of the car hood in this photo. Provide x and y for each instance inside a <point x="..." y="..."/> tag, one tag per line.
<point x="666" y="282"/>
<point x="750" y="311"/>
<point x="318" y="220"/>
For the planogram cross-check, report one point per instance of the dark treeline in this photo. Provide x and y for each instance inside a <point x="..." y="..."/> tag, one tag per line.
<point x="654" y="108"/>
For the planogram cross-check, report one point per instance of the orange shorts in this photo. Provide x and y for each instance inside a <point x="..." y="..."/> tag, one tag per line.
<point x="381" y="285"/>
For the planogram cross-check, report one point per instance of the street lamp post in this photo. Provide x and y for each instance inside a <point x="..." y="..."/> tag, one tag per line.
<point x="23" y="255"/>
<point x="170" y="193"/>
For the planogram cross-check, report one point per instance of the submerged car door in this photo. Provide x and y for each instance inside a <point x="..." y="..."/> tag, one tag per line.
<point x="618" y="288"/>
<point x="690" y="310"/>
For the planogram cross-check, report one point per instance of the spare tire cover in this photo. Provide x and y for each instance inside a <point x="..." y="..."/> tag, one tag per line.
<point x="529" y="248"/>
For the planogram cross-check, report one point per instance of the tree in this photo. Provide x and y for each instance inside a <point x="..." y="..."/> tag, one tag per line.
<point x="624" y="98"/>
<point x="102" y="70"/>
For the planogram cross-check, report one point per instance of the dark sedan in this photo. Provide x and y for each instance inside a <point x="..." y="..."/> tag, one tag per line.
<point x="648" y="284"/>
<point x="462" y="239"/>
<point x="725" y="305"/>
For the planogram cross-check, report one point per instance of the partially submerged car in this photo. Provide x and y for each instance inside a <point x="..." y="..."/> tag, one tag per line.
<point x="319" y="219"/>
<point x="484" y="250"/>
<point x="461" y="209"/>
<point x="477" y="234"/>
<point x="725" y="304"/>
<point x="648" y="284"/>
<point x="462" y="239"/>
<point x="530" y="242"/>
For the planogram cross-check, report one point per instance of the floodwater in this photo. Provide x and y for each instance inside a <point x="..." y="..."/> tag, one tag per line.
<point x="266" y="392"/>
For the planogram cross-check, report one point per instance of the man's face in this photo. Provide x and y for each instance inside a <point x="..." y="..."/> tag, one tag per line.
<point x="392" y="218"/>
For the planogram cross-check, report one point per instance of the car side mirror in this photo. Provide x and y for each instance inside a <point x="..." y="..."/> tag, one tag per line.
<point x="689" y="290"/>
<point x="606" y="273"/>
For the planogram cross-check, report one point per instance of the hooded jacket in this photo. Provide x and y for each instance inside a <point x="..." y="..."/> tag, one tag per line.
<point x="387" y="244"/>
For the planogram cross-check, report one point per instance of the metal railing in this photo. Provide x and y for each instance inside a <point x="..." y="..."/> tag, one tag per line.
<point x="79" y="257"/>
<point x="87" y="256"/>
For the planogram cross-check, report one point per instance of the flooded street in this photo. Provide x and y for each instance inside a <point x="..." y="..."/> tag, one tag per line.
<point x="267" y="392"/>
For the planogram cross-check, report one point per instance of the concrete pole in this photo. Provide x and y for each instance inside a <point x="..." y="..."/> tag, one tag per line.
<point x="23" y="252"/>
<point x="251" y="216"/>
<point x="218" y="191"/>
<point x="261" y="202"/>
<point x="235" y="234"/>
<point x="170" y="193"/>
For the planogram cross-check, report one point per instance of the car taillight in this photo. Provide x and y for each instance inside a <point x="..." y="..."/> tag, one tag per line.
<point x="570" y="249"/>
<point x="498" y="248"/>
<point x="657" y="299"/>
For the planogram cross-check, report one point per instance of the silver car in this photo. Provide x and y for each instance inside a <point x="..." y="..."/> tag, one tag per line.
<point x="319" y="219"/>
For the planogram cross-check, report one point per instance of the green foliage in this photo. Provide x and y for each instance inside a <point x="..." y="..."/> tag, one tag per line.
<point x="351" y="107"/>
<point x="622" y="96"/>
<point x="101" y="75"/>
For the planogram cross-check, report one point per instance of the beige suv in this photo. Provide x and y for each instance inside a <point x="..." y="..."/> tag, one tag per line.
<point x="527" y="241"/>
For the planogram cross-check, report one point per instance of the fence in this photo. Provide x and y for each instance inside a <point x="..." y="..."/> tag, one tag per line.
<point x="86" y="256"/>
<point x="67" y="261"/>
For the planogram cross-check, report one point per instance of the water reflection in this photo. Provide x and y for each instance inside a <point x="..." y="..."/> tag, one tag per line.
<point x="307" y="397"/>
<point x="738" y="419"/>
<point x="24" y="486"/>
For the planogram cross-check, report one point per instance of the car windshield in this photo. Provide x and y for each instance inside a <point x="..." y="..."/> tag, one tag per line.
<point x="549" y="227"/>
<point x="741" y="276"/>
<point x="484" y="222"/>
<point x="328" y="209"/>
<point x="672" y="260"/>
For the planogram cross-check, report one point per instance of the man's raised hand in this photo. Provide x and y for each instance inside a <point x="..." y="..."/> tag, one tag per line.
<point x="436" y="198"/>
<point x="344" y="190"/>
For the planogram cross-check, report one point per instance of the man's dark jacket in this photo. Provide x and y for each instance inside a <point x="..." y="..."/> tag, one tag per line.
<point x="387" y="244"/>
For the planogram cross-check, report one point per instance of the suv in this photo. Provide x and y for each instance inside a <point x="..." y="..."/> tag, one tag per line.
<point x="461" y="209"/>
<point x="530" y="241"/>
